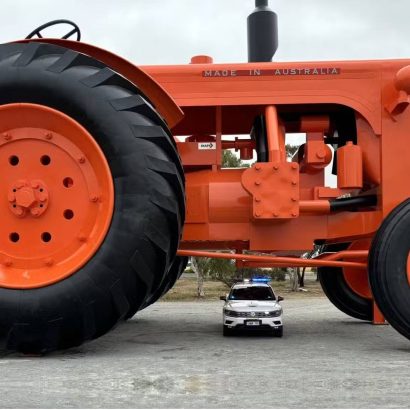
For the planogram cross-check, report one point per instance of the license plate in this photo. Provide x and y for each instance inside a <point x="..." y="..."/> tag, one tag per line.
<point x="252" y="323"/>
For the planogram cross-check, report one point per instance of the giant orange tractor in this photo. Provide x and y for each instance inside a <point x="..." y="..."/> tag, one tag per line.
<point x="111" y="176"/>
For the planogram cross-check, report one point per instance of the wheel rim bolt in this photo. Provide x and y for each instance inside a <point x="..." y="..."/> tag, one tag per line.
<point x="49" y="262"/>
<point x="81" y="160"/>
<point x="49" y="136"/>
<point x="19" y="211"/>
<point x="7" y="136"/>
<point x="34" y="212"/>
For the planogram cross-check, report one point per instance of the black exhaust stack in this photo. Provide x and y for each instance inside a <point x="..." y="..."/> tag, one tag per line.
<point x="262" y="33"/>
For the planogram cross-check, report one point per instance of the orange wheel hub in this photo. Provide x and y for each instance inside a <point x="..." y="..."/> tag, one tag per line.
<point x="56" y="196"/>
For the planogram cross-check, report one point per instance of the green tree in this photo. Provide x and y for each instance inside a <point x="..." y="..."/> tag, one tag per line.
<point x="291" y="150"/>
<point x="230" y="160"/>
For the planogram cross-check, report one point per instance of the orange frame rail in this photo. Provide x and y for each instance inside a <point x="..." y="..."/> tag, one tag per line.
<point x="331" y="260"/>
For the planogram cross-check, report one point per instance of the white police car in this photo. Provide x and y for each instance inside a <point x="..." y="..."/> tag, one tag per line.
<point x="252" y="305"/>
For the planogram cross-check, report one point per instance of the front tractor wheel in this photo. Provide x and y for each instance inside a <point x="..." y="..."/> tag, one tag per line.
<point x="347" y="289"/>
<point x="389" y="268"/>
<point x="92" y="198"/>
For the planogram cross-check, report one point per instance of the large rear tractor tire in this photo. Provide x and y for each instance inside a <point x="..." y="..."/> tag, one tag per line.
<point x="175" y="272"/>
<point x="338" y="291"/>
<point x="92" y="198"/>
<point x="389" y="268"/>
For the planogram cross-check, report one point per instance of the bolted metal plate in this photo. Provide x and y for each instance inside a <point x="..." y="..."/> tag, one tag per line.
<point x="274" y="188"/>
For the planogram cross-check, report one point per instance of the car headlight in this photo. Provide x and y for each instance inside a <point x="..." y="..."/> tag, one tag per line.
<point x="276" y="313"/>
<point x="228" y="312"/>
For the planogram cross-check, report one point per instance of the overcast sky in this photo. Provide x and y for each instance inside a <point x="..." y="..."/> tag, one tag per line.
<point x="171" y="31"/>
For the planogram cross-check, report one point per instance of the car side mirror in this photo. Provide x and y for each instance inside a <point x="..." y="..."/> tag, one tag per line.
<point x="222" y="298"/>
<point x="280" y="298"/>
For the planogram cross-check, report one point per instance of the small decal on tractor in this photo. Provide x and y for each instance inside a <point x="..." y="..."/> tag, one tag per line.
<point x="206" y="145"/>
<point x="277" y="72"/>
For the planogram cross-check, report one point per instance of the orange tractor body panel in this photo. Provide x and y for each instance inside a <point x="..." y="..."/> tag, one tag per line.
<point x="219" y="201"/>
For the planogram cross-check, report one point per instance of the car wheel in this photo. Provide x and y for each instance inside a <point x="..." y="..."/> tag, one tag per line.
<point x="278" y="332"/>
<point x="227" y="331"/>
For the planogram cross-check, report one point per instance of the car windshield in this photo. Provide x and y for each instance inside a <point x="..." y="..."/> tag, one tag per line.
<point x="252" y="293"/>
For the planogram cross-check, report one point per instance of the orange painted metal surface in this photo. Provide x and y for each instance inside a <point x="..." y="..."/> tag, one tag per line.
<point x="274" y="188"/>
<point x="315" y="206"/>
<point x="274" y="260"/>
<point x="378" y="318"/>
<point x="317" y="154"/>
<point x="57" y="196"/>
<point x="349" y="167"/>
<point x="356" y="85"/>
<point x="292" y="97"/>
<point x="275" y="135"/>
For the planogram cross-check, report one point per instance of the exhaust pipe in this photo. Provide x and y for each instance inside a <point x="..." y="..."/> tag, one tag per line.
<point x="262" y="33"/>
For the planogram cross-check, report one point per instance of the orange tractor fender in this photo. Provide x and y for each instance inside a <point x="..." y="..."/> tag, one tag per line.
<point x="162" y="101"/>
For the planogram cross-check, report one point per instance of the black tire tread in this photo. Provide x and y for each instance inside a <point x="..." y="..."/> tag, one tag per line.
<point x="340" y="294"/>
<point x="390" y="287"/>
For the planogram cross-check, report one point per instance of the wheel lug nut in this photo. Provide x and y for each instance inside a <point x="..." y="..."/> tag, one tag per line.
<point x="34" y="212"/>
<point x="49" y="262"/>
<point x="94" y="198"/>
<point x="7" y="136"/>
<point x="81" y="160"/>
<point x="8" y="262"/>
<point x="49" y="136"/>
<point x="82" y="238"/>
